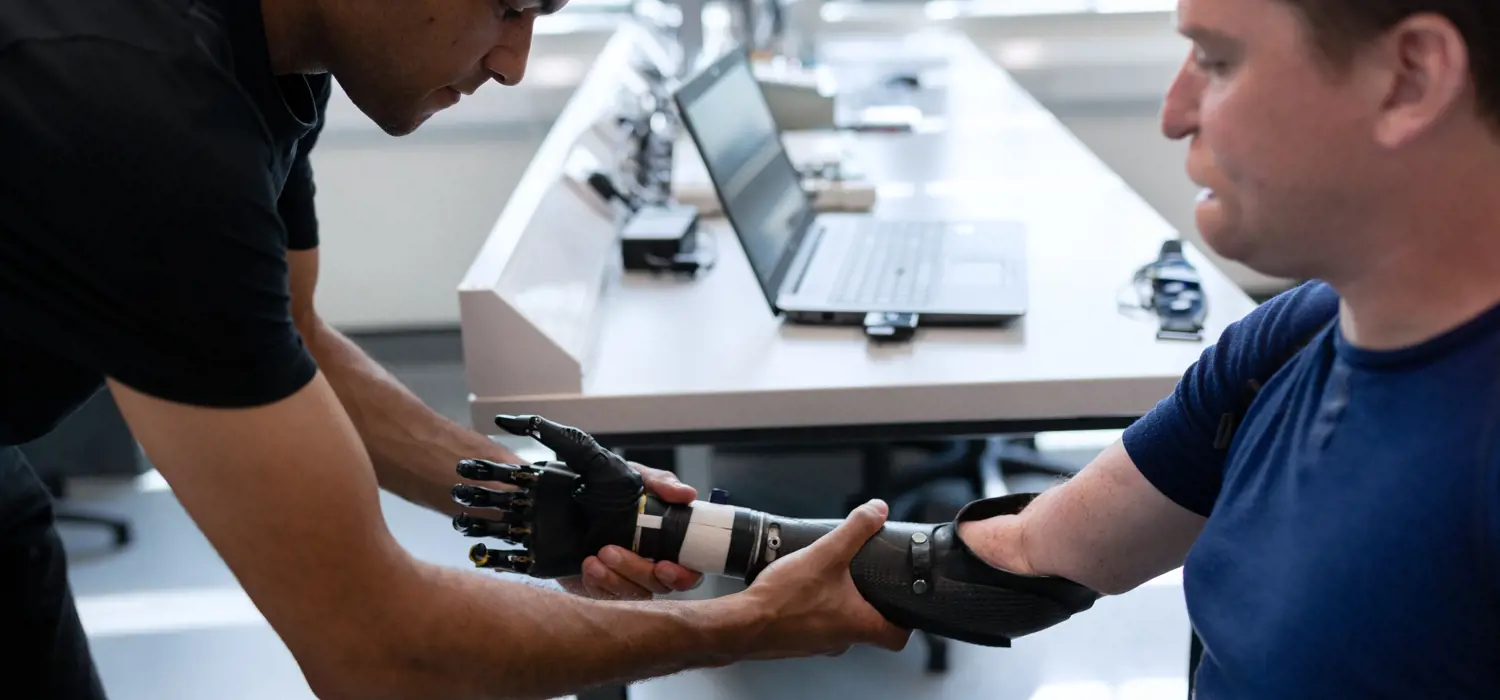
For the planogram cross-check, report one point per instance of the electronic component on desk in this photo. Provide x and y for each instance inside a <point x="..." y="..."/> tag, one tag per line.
<point x="664" y="238"/>
<point x="890" y="326"/>
<point x="1171" y="288"/>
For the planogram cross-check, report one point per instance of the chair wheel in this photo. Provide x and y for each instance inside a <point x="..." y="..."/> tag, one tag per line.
<point x="937" y="653"/>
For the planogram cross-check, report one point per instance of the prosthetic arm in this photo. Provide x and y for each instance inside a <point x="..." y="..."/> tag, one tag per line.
<point x="920" y="576"/>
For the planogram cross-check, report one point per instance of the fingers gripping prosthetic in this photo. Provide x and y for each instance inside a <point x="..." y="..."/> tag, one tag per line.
<point x="918" y="575"/>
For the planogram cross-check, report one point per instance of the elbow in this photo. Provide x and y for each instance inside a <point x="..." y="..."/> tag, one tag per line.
<point x="333" y="684"/>
<point x="378" y="670"/>
<point x="1110" y="587"/>
<point x="338" y="672"/>
<point x="369" y="646"/>
<point x="1120" y="582"/>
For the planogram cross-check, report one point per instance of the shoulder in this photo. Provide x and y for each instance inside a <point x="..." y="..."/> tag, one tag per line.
<point x="1258" y="344"/>
<point x="83" y="107"/>
<point x="1178" y="444"/>
<point x="160" y="63"/>
<point x="168" y="27"/>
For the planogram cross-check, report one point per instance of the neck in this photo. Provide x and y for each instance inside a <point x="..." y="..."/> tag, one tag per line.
<point x="1431" y="270"/>
<point x="293" y="31"/>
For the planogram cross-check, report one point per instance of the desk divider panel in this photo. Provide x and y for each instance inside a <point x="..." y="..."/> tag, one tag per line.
<point x="529" y="303"/>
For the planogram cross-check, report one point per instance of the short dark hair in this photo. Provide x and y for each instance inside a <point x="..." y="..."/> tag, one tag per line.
<point x="1339" y="27"/>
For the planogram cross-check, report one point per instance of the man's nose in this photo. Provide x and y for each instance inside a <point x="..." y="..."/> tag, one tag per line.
<point x="507" y="61"/>
<point x="1179" y="113"/>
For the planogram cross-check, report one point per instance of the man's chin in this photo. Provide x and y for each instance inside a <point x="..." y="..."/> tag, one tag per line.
<point x="403" y="126"/>
<point x="397" y="122"/>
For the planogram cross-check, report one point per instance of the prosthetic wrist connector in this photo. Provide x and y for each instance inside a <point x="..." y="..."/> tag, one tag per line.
<point x="920" y="576"/>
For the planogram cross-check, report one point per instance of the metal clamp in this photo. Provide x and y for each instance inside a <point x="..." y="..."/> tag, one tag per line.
<point x="921" y="563"/>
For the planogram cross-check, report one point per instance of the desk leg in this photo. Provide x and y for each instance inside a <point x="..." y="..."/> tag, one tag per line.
<point x="694" y="467"/>
<point x="991" y="473"/>
<point x="619" y="692"/>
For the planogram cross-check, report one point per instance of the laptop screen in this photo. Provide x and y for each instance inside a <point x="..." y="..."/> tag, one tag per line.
<point x="731" y="124"/>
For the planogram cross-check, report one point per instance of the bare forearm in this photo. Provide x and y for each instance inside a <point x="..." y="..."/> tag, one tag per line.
<point x="472" y="636"/>
<point x="414" y="448"/>
<point x="1106" y="528"/>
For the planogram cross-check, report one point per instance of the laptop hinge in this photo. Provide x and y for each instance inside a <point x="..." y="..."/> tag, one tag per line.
<point x="802" y="262"/>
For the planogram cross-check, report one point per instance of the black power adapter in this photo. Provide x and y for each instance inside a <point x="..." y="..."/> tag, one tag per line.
<point x="663" y="237"/>
<point x="658" y="236"/>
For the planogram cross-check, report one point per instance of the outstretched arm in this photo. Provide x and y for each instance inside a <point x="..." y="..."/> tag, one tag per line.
<point x="286" y="495"/>
<point x="1107" y="528"/>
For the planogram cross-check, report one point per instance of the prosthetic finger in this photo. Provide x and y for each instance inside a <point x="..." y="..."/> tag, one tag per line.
<point x="499" y="529"/>
<point x="479" y="497"/>
<point x="608" y="481"/>
<point x="485" y="470"/>
<point x="517" y="561"/>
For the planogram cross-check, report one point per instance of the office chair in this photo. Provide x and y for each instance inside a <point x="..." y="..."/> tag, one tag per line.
<point x="119" y="528"/>
<point x="94" y="440"/>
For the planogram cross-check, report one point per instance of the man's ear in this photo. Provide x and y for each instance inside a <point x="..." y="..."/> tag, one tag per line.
<point x="1424" y="64"/>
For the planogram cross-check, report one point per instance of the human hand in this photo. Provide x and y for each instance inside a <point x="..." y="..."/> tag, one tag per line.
<point x="807" y="602"/>
<point x="617" y="573"/>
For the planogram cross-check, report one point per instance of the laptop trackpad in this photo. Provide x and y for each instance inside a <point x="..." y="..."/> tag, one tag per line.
<point x="969" y="273"/>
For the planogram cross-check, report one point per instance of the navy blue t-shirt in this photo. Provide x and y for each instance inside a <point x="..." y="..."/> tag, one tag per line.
<point x="1353" y="521"/>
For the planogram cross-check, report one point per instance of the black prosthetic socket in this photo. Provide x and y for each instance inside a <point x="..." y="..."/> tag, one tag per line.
<point x="923" y="576"/>
<point x="918" y="575"/>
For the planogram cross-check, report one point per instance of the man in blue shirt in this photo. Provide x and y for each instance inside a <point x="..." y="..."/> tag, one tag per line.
<point x="1328" y="474"/>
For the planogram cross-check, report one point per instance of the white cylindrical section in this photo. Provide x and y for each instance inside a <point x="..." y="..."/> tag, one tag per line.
<point x="713" y="514"/>
<point x="705" y="548"/>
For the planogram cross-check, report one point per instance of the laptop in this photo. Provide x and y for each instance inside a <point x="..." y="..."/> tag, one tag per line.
<point x="838" y="267"/>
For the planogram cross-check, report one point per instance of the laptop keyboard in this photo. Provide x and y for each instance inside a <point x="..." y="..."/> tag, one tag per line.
<point x="897" y="264"/>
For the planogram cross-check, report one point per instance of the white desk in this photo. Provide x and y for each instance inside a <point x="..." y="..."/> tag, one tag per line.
<point x="672" y="362"/>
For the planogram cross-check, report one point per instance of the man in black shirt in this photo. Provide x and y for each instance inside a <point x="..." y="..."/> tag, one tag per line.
<point x="158" y="237"/>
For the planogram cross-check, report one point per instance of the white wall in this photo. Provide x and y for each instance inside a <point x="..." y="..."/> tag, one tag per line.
<point x="1104" y="75"/>
<point x="401" y="221"/>
<point x="401" y="218"/>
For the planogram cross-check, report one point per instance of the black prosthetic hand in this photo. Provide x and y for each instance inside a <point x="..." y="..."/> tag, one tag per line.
<point x="562" y="512"/>
<point x="919" y="576"/>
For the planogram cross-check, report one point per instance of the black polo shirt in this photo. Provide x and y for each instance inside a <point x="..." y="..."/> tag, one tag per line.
<point x="153" y="176"/>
